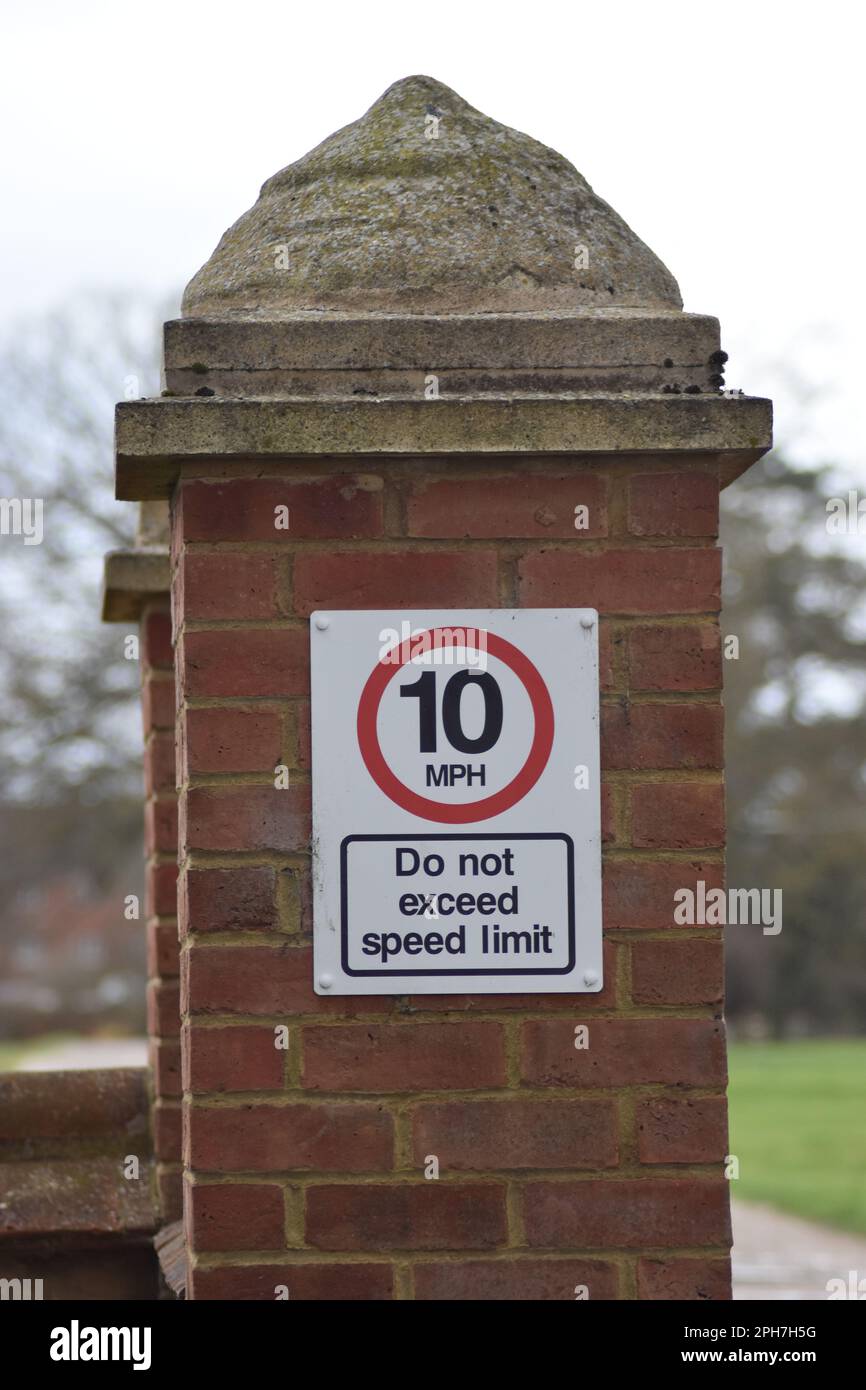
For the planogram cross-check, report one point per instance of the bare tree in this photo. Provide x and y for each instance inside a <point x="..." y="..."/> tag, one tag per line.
<point x="67" y="693"/>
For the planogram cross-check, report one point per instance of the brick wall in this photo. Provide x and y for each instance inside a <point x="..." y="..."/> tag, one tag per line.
<point x="559" y="1167"/>
<point x="163" y="1011"/>
<point x="73" y="1213"/>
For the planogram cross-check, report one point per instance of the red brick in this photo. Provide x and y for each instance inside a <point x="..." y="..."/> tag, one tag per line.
<point x="163" y="1008"/>
<point x="404" y="1057"/>
<point x="426" y="1216"/>
<point x="160" y="826"/>
<point x="232" y="1059"/>
<point x="169" y="1187"/>
<point x="221" y="585"/>
<point x="161" y="890"/>
<point x="673" y="504"/>
<point x="625" y="1052"/>
<point x="684" y="1279"/>
<point x="633" y="1213"/>
<point x="513" y="1281"/>
<point x="272" y="1138"/>
<point x="489" y="1134"/>
<point x="232" y="740"/>
<point x="265" y="980"/>
<point x="341" y="506"/>
<point x="608" y="816"/>
<point x="156" y="641"/>
<point x="305" y="1282"/>
<point x="651" y="580"/>
<point x="610" y="644"/>
<point x="677" y="972"/>
<point x="236" y="1216"/>
<point x="228" y="899"/>
<point x="514" y="505"/>
<point x="303" y="736"/>
<point x="681" y="657"/>
<point x="159" y="764"/>
<point x="162" y="948"/>
<point x="167" y="1132"/>
<point x="157" y="704"/>
<point x="246" y="662"/>
<point x="678" y="815"/>
<point x="402" y="578"/>
<point x="165" y="1062"/>
<point x="690" y="1130"/>
<point x="661" y="736"/>
<point x="639" y="893"/>
<point x="246" y="818"/>
<point x="301" y="893"/>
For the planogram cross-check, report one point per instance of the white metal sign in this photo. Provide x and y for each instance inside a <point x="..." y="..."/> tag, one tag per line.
<point x="456" y="820"/>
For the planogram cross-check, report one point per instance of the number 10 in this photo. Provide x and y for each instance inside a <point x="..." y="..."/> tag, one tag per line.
<point x="424" y="691"/>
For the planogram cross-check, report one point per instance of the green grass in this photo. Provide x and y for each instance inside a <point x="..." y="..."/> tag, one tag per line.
<point x="798" y="1127"/>
<point x="12" y="1054"/>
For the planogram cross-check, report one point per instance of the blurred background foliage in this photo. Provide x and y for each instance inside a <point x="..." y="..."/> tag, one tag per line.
<point x="70" y="734"/>
<point x="795" y="597"/>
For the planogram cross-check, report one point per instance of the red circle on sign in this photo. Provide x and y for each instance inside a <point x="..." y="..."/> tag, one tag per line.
<point x="463" y="812"/>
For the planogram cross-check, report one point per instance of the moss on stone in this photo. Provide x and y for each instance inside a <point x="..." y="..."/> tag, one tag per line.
<point x="380" y="216"/>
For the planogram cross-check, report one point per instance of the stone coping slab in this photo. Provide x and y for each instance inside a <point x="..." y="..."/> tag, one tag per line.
<point x="130" y="580"/>
<point x="380" y="354"/>
<point x="154" y="439"/>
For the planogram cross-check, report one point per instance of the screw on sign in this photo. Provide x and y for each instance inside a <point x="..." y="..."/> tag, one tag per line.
<point x="453" y="852"/>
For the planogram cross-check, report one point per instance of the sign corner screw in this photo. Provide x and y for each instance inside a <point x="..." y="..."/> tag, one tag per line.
<point x="326" y="981"/>
<point x="590" y="977"/>
<point x="323" y="623"/>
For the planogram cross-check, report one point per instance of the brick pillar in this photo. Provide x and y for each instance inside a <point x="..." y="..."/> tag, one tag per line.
<point x="137" y="592"/>
<point x="163" y="989"/>
<point x="564" y="1171"/>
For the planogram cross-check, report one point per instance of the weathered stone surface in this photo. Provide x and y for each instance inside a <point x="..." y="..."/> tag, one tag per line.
<point x="83" y="1104"/>
<point x="153" y="526"/>
<point x="132" y="578"/>
<point x="380" y="216"/>
<point x="342" y="341"/>
<point x="332" y="354"/>
<point x="154" y="437"/>
<point x="86" y="1197"/>
<point x="383" y="261"/>
<point x="65" y="1139"/>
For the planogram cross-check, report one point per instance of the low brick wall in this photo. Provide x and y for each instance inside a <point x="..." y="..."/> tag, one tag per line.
<point x="69" y="1214"/>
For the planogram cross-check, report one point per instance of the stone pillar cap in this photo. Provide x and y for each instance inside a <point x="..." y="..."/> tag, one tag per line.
<point x="133" y="578"/>
<point x="427" y="206"/>
<point x="464" y="295"/>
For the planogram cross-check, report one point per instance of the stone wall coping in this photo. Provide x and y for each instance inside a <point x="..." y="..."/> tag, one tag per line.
<point x="154" y="439"/>
<point x="131" y="579"/>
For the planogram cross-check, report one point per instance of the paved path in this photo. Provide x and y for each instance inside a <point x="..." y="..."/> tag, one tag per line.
<point x="777" y="1256"/>
<point x="87" y="1053"/>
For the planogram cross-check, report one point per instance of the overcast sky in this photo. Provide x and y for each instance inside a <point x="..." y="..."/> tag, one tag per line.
<point x="729" y="136"/>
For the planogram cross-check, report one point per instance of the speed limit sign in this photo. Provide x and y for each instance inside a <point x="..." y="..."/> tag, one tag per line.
<point x="456" y="820"/>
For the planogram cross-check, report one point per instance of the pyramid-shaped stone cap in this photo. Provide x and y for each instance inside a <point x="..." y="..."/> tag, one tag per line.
<point x="425" y="205"/>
